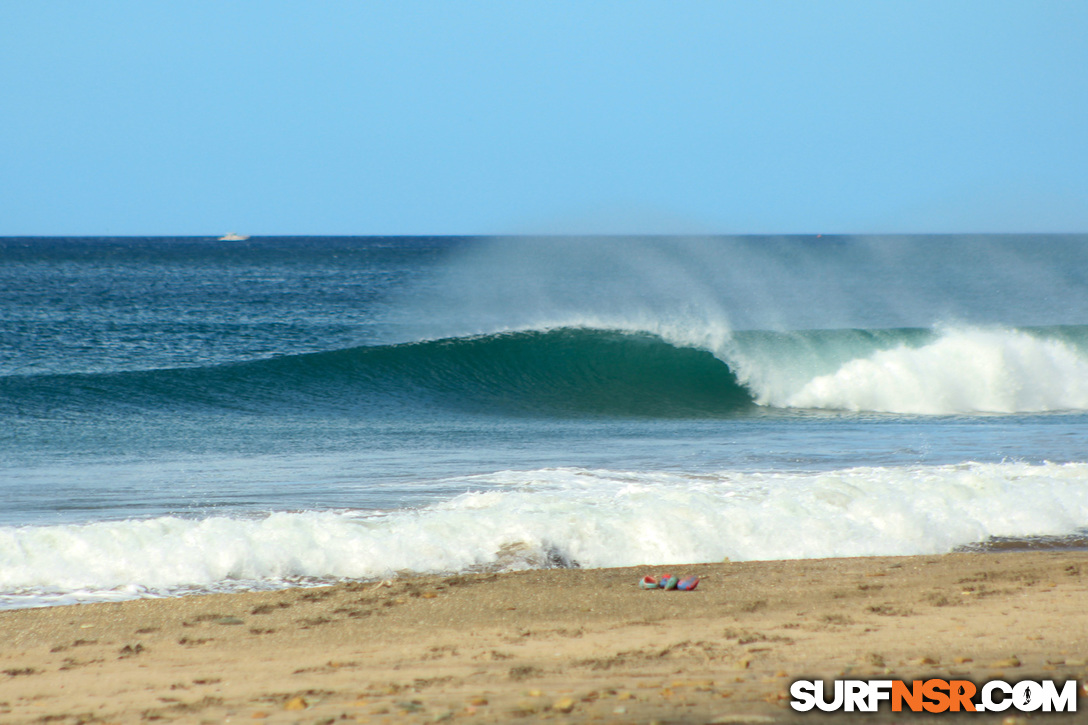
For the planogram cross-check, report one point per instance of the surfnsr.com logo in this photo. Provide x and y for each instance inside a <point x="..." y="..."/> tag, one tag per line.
<point x="935" y="695"/>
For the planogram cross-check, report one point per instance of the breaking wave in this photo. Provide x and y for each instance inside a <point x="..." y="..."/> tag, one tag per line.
<point x="578" y="371"/>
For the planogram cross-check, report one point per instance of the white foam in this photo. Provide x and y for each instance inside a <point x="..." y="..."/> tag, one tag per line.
<point x="524" y="519"/>
<point x="964" y="371"/>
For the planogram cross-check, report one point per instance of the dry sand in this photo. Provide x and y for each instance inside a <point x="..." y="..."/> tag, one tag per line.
<point x="556" y="645"/>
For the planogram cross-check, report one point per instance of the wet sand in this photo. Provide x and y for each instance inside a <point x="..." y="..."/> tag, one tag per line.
<point x="553" y="645"/>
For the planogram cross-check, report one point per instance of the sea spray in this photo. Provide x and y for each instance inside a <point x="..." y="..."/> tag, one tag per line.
<point x="775" y="283"/>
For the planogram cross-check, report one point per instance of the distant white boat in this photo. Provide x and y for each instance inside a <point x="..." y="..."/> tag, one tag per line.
<point x="232" y="237"/>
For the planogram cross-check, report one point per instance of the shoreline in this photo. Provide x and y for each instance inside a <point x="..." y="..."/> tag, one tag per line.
<point x="994" y="545"/>
<point x="564" y="645"/>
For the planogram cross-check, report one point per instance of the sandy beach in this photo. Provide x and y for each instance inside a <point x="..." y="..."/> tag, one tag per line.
<point x="563" y="645"/>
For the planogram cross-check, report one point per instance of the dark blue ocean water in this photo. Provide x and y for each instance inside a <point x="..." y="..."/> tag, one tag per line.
<point x="195" y="415"/>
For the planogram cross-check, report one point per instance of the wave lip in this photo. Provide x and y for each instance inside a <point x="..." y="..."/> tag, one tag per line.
<point x="550" y="517"/>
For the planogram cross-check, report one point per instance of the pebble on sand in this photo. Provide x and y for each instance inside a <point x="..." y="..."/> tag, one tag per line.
<point x="296" y="703"/>
<point x="1013" y="661"/>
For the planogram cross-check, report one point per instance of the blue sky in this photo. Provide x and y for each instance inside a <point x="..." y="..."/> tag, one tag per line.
<point x="333" y="117"/>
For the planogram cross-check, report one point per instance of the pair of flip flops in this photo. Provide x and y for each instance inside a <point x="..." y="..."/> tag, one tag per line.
<point x="668" y="581"/>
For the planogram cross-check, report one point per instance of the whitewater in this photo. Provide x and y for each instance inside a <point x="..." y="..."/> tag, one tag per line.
<point x="184" y="416"/>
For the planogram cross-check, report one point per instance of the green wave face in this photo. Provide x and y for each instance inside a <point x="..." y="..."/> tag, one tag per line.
<point x="574" y="372"/>
<point x="571" y="371"/>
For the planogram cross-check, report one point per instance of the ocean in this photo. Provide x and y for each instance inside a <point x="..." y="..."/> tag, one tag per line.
<point x="188" y="415"/>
